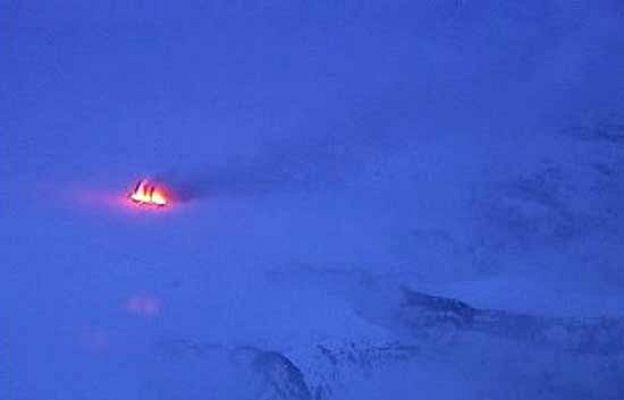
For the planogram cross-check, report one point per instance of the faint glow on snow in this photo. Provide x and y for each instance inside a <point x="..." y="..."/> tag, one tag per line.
<point x="95" y="341"/>
<point x="143" y="305"/>
<point x="148" y="193"/>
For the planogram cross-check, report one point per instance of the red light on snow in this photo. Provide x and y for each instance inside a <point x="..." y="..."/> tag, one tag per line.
<point x="148" y="193"/>
<point x="143" y="305"/>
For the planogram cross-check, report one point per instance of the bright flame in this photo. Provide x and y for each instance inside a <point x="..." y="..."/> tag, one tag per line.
<point x="146" y="193"/>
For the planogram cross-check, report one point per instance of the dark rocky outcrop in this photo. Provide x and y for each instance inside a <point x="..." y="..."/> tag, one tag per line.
<point x="425" y="313"/>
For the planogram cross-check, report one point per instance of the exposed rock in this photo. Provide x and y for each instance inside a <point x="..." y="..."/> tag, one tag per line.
<point x="277" y="377"/>
<point x="600" y="335"/>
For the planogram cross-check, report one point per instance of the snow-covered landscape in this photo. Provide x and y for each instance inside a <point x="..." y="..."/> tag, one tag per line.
<point x="372" y="200"/>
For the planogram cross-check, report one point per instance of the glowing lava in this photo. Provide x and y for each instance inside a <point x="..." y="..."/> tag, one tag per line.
<point x="148" y="193"/>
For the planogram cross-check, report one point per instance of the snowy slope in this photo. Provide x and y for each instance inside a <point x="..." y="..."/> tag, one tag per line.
<point x="376" y="201"/>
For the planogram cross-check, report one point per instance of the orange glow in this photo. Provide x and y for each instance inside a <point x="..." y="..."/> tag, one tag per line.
<point x="147" y="193"/>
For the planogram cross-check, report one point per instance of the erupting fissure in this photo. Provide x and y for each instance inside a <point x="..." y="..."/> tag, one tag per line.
<point x="148" y="193"/>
